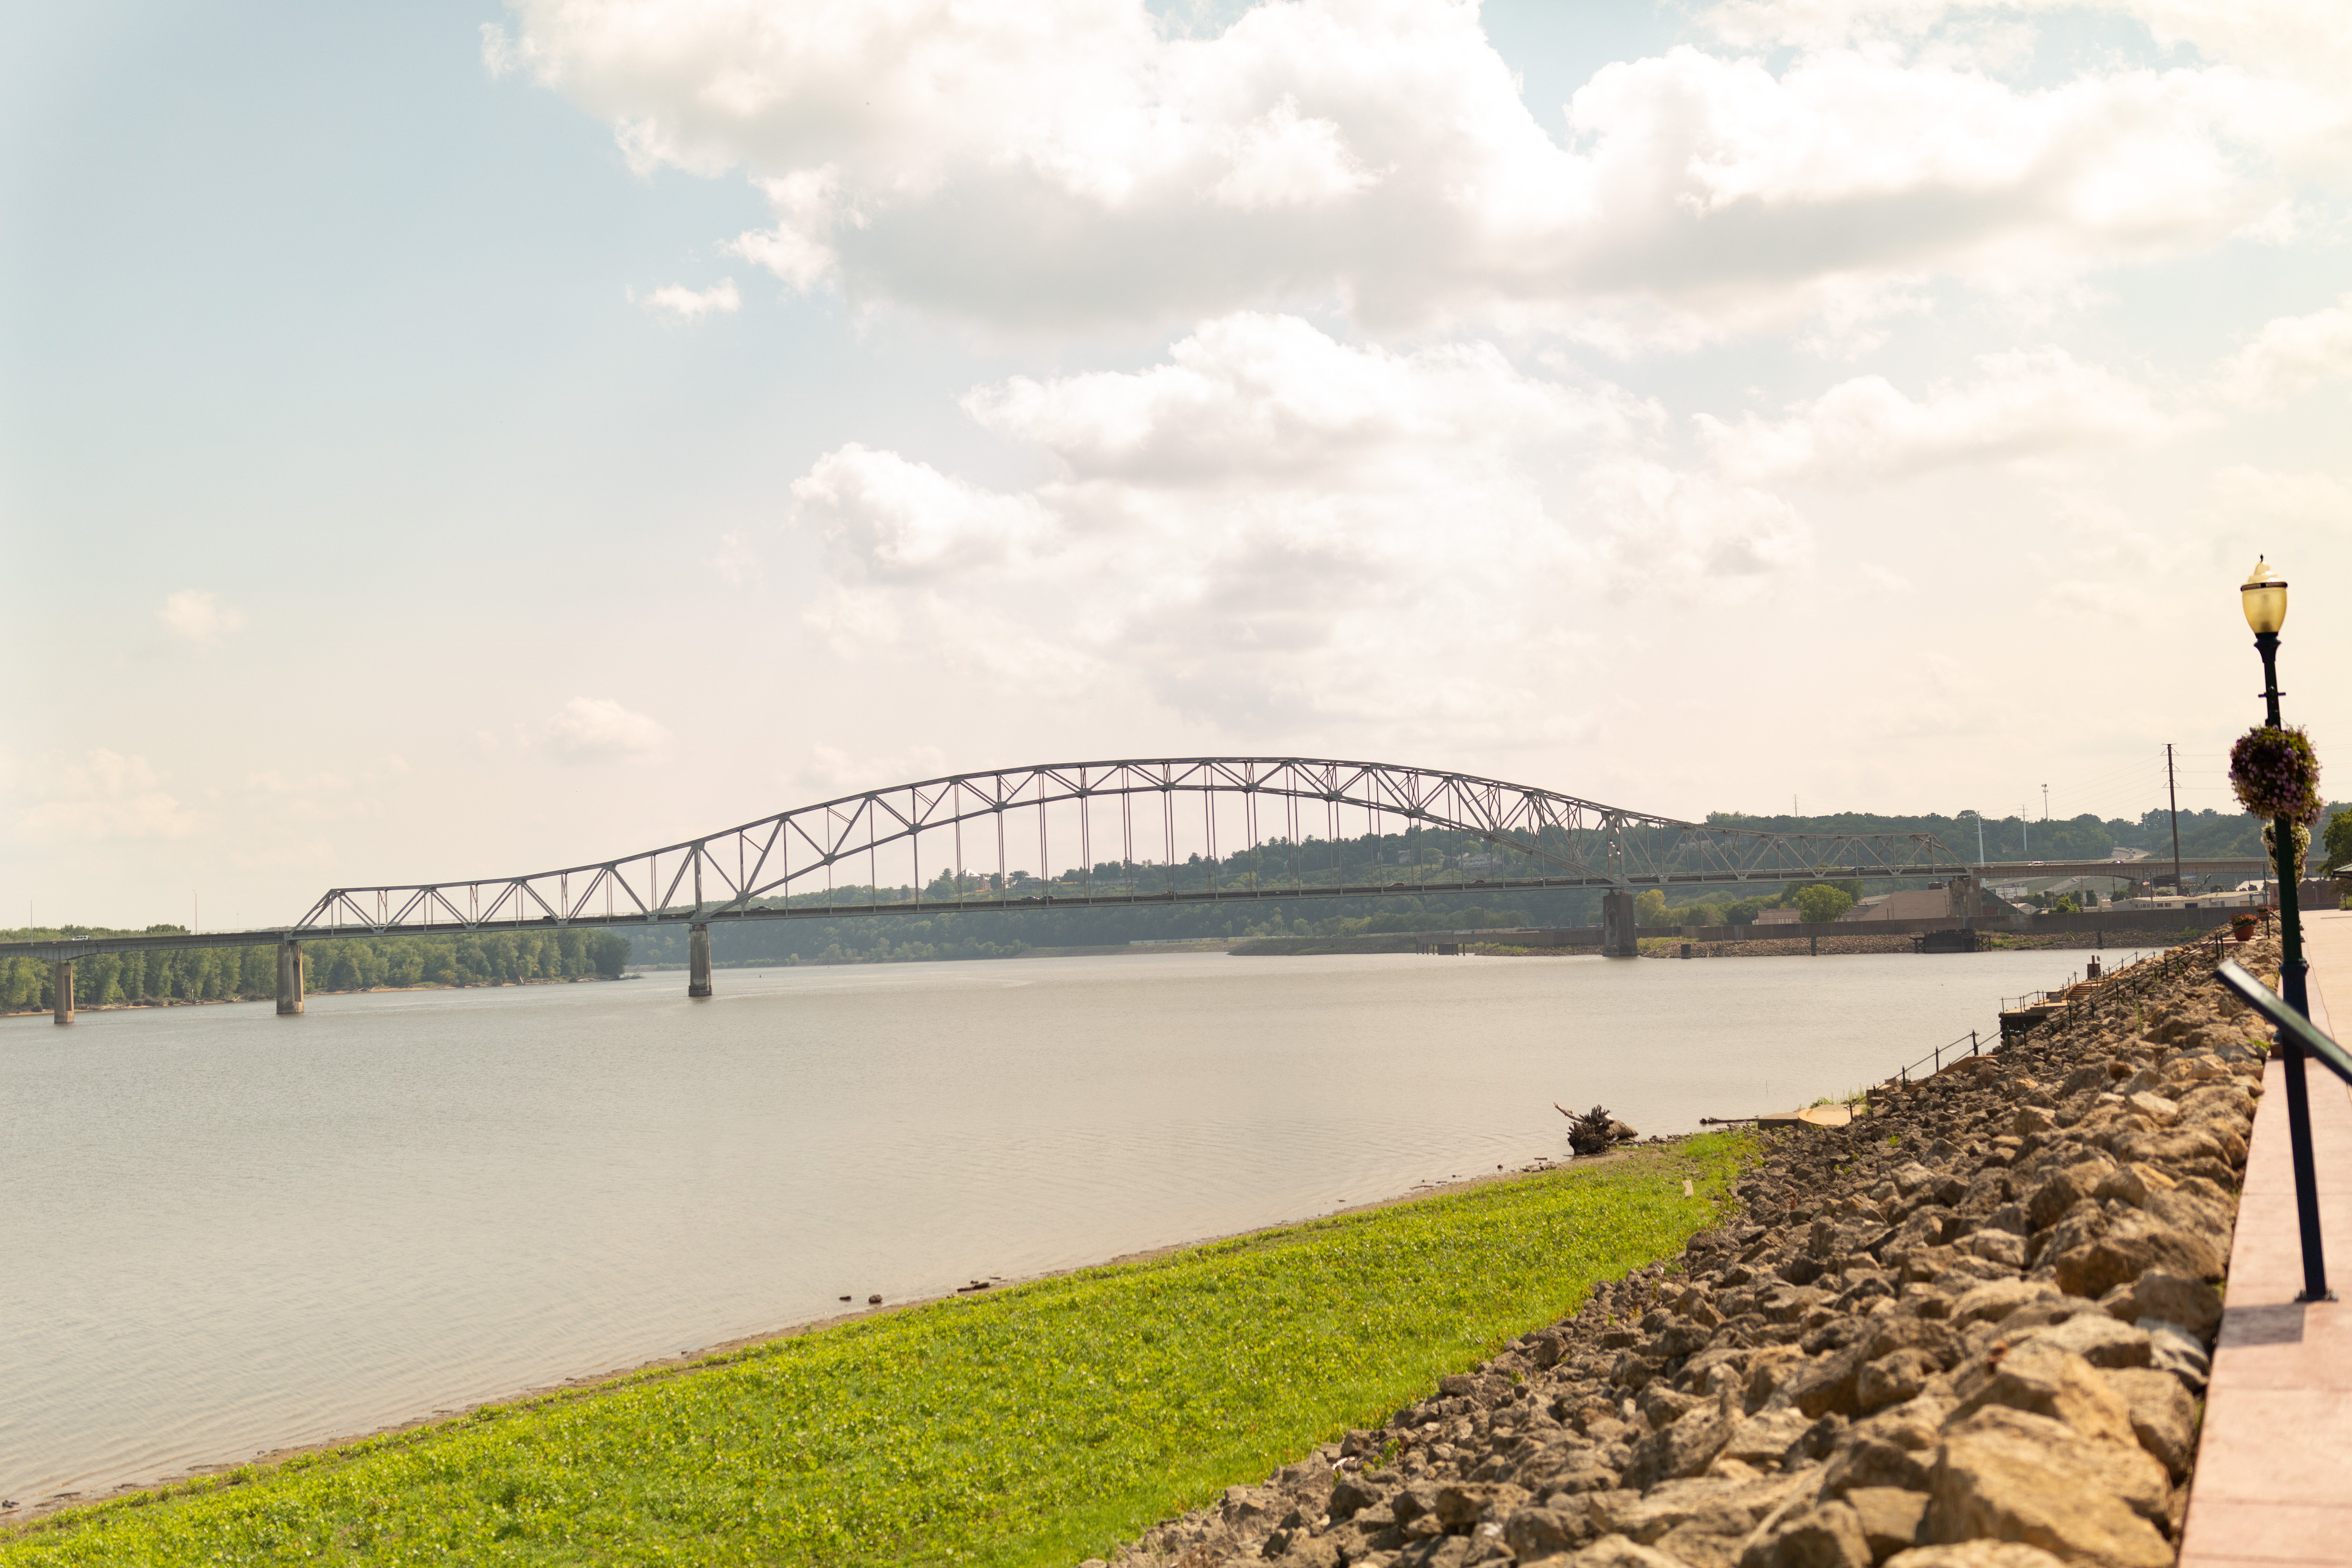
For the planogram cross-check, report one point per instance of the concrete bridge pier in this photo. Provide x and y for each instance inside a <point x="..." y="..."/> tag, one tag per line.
<point x="1619" y="937"/>
<point x="290" y="979"/>
<point x="698" y="961"/>
<point x="61" y="978"/>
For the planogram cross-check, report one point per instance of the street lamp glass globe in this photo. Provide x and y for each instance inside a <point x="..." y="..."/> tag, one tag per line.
<point x="2264" y="597"/>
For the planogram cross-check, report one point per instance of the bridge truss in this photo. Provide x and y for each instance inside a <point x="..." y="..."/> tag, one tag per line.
<point x="1135" y="832"/>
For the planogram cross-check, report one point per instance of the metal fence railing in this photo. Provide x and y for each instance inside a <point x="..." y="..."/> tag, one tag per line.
<point x="2078" y="1004"/>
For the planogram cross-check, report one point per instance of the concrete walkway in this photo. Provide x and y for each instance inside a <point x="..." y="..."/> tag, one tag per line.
<point x="2274" y="1483"/>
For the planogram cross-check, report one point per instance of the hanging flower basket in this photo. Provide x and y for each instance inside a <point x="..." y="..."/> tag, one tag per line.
<point x="2302" y="846"/>
<point x="2276" y="773"/>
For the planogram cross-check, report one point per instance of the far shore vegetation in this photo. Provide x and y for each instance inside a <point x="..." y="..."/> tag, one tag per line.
<point x="348" y="964"/>
<point x="1444" y="869"/>
<point x="1036" y="1423"/>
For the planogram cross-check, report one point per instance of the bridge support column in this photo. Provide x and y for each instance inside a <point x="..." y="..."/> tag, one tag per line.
<point x="1618" y="938"/>
<point x="1968" y="900"/>
<point x="698" y="961"/>
<point x="61" y="977"/>
<point x="290" y="979"/>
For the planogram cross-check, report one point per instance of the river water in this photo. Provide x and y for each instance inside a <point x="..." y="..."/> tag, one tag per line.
<point x="225" y="1232"/>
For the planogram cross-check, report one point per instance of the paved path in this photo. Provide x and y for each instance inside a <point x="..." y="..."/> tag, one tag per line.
<point x="2273" y="1482"/>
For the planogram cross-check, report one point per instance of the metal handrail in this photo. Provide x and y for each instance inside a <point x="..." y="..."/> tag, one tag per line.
<point x="2116" y="986"/>
<point x="2296" y="1039"/>
<point x="2273" y="1006"/>
<point x="1975" y="1045"/>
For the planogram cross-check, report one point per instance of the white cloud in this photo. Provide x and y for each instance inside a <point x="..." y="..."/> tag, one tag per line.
<point x="2291" y="355"/>
<point x="896" y="520"/>
<point x="680" y="303"/>
<point x="2275" y="77"/>
<point x="1071" y="162"/>
<point x="2245" y="492"/>
<point x="1274" y="522"/>
<point x="596" y="730"/>
<point x="2036" y="405"/>
<point x="106" y="797"/>
<point x="197" y="615"/>
<point x="498" y="56"/>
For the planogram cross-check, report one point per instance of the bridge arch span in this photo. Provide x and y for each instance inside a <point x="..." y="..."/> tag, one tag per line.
<point x="1131" y="831"/>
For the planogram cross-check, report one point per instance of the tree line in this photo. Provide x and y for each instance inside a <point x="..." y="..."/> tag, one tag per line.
<point x="344" y="964"/>
<point x="1443" y="864"/>
<point x="2085" y="837"/>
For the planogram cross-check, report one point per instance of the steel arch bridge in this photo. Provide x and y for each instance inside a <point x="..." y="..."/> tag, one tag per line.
<point x="1124" y="830"/>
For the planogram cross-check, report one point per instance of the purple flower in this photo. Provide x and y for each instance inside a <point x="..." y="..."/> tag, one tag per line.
<point x="2276" y="773"/>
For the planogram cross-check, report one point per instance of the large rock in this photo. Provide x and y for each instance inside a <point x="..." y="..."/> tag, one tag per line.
<point x="2174" y="1149"/>
<point x="2046" y="1379"/>
<point x="1894" y="1448"/>
<point x="1350" y="1495"/>
<point x="1994" y="1245"/>
<point x="2163" y="1415"/>
<point x="2011" y="1476"/>
<point x="1974" y="1555"/>
<point x="1715" y="1505"/>
<point x="2174" y="1349"/>
<point x="1997" y="1298"/>
<point x="1828" y="1386"/>
<point x="1683" y="1448"/>
<point x="2131" y="1245"/>
<point x="1461" y="1505"/>
<point x="1617" y="1552"/>
<point x="2077" y="1228"/>
<point x="2097" y="1338"/>
<point x="1892" y="1519"/>
<point x="2063" y="1189"/>
<point x="1894" y="1378"/>
<point x="2170" y="1298"/>
<point x="1533" y="1532"/>
<point x="1766" y="1437"/>
<point x="1828" y="1536"/>
<point x="2132" y="1183"/>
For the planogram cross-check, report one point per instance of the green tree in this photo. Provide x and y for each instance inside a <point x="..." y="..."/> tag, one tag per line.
<point x="1822" y="902"/>
<point x="2338" y="844"/>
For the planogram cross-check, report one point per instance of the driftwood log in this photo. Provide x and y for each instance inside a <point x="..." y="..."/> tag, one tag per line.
<point x="1595" y="1132"/>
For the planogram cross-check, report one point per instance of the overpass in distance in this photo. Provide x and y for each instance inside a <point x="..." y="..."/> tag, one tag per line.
<point x="1288" y="817"/>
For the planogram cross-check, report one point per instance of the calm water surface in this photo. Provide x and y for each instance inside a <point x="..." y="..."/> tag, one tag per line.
<point x="225" y="1232"/>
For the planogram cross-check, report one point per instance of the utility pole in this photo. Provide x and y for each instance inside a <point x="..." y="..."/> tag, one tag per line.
<point x="2172" y="790"/>
<point x="2024" y="832"/>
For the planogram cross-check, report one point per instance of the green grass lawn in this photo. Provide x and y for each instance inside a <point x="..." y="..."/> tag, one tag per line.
<point x="1034" y="1424"/>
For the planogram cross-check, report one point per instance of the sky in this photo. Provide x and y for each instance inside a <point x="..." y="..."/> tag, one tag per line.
<point x="451" y="440"/>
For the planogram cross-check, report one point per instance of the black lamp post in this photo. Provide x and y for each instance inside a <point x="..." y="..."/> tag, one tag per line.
<point x="2263" y="595"/>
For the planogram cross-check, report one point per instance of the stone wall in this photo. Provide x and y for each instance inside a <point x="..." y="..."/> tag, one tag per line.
<point x="1969" y="1330"/>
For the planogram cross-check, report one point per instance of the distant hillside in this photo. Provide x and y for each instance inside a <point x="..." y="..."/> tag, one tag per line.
<point x="945" y="934"/>
<point x="2084" y="837"/>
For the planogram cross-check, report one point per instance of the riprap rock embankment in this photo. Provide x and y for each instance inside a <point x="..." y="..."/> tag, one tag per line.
<point x="1972" y="1329"/>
